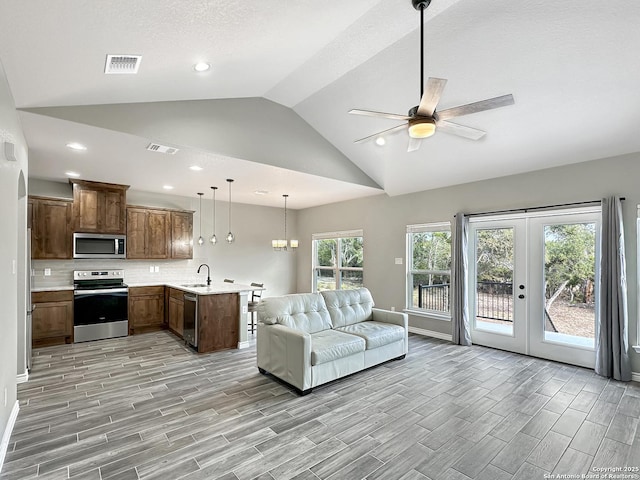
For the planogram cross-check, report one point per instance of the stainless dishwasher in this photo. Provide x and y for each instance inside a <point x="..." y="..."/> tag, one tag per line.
<point x="190" y="326"/>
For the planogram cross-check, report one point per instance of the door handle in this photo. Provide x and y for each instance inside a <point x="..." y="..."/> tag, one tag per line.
<point x="521" y="296"/>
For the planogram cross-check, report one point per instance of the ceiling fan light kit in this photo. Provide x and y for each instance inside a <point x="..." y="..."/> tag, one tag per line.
<point x="422" y="121"/>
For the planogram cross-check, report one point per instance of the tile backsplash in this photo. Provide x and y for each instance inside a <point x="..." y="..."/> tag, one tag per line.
<point x="135" y="271"/>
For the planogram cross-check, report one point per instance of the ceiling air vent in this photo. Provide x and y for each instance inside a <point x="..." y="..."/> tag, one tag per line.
<point x="156" y="147"/>
<point x="122" y="64"/>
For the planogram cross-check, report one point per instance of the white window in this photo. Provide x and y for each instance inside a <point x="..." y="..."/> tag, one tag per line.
<point x="429" y="268"/>
<point x="337" y="260"/>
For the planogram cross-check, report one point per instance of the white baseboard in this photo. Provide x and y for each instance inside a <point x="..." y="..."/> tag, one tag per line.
<point x="23" y="377"/>
<point x="430" y="333"/>
<point x="7" y="432"/>
<point x="243" y="345"/>
<point x="635" y="377"/>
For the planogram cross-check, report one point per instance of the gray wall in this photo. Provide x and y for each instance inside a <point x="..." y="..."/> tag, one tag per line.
<point x="249" y="259"/>
<point x="384" y="220"/>
<point x="12" y="254"/>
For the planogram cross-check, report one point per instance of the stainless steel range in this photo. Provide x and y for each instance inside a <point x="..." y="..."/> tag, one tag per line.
<point x="100" y="305"/>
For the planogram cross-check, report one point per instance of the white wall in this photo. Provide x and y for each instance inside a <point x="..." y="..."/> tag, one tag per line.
<point x="384" y="220"/>
<point x="249" y="259"/>
<point x="12" y="256"/>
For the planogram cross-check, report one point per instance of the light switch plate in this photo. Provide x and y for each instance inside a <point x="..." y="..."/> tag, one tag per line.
<point x="398" y="260"/>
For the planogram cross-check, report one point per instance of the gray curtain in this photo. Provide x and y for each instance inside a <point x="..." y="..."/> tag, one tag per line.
<point x="459" y="301"/>
<point x="612" y="345"/>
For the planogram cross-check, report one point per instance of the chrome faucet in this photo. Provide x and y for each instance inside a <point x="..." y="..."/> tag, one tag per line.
<point x="208" y="273"/>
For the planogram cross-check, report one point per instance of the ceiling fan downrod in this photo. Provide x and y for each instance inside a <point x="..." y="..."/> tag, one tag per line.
<point x="421" y="5"/>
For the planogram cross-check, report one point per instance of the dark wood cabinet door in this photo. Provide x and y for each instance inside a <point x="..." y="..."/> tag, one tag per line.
<point x="51" y="235"/>
<point x="158" y="238"/>
<point x="146" y="309"/>
<point x="176" y="315"/>
<point x="52" y="318"/>
<point x="181" y="235"/>
<point x="99" y="207"/>
<point x="136" y="233"/>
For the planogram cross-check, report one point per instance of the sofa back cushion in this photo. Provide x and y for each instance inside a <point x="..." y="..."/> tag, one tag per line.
<point x="347" y="307"/>
<point x="301" y="311"/>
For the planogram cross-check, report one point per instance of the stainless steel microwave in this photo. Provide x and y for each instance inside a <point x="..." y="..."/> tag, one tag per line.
<point x="95" y="245"/>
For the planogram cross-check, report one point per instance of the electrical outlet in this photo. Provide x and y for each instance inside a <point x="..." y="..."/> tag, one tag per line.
<point x="245" y="309"/>
<point x="393" y="309"/>
<point x="151" y="268"/>
<point x="47" y="272"/>
<point x="33" y="272"/>
<point x="156" y="268"/>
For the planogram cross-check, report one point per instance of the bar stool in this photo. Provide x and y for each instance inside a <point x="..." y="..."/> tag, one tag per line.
<point x="252" y="305"/>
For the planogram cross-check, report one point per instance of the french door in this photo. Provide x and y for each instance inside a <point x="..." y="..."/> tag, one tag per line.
<point x="533" y="284"/>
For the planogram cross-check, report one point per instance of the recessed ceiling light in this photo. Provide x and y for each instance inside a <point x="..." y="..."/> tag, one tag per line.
<point x="202" y="67"/>
<point x="261" y="192"/>
<point x="195" y="168"/>
<point x="76" y="146"/>
<point x="72" y="174"/>
<point x="167" y="187"/>
<point x="380" y="141"/>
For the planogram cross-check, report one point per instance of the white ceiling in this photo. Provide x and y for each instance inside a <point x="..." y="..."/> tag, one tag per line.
<point x="571" y="66"/>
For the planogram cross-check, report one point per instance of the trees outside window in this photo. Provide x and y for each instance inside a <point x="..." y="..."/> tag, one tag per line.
<point x="429" y="267"/>
<point x="338" y="261"/>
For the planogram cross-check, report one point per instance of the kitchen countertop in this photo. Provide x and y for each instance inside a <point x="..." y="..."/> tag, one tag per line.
<point x="213" y="289"/>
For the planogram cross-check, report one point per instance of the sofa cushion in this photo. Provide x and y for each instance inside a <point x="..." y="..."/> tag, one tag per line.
<point x="302" y="311"/>
<point x="375" y="334"/>
<point x="347" y="307"/>
<point x="330" y="345"/>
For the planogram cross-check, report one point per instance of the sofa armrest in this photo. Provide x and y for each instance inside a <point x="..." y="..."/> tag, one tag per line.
<point x="395" y="318"/>
<point x="285" y="353"/>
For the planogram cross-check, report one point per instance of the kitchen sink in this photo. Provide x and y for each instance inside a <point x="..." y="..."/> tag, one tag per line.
<point x="194" y="285"/>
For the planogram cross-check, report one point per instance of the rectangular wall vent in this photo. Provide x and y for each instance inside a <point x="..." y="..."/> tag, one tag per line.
<point x="156" y="147"/>
<point x="122" y="64"/>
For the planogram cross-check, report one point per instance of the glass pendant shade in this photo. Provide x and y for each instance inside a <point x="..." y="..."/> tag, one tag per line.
<point x="213" y="239"/>
<point x="200" y="239"/>
<point x="230" y="236"/>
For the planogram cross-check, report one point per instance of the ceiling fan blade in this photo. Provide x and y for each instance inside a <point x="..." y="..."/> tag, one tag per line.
<point x="414" y="144"/>
<point x="388" y="130"/>
<point x="369" y="113"/>
<point x="460" y="130"/>
<point x="475" y="107"/>
<point x="431" y="96"/>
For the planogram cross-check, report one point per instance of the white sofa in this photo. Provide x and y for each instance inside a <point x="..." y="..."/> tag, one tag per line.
<point x="313" y="338"/>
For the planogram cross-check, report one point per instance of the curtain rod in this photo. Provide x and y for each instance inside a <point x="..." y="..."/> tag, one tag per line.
<point x="533" y="209"/>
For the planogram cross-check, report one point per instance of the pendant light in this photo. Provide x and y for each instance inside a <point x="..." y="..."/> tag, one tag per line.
<point x="200" y="239"/>
<point x="280" y="245"/>
<point x="230" y="236"/>
<point x="213" y="240"/>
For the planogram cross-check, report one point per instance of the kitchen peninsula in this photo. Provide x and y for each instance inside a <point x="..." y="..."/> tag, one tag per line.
<point x="209" y="317"/>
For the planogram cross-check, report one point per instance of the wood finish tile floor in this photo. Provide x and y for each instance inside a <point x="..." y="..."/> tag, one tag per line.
<point x="146" y="407"/>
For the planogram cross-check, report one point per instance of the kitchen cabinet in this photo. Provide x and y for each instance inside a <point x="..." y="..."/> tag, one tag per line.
<point x="176" y="311"/>
<point x="99" y="207"/>
<point x="146" y="309"/>
<point x="52" y="318"/>
<point x="148" y="233"/>
<point x="181" y="234"/>
<point x="218" y="322"/>
<point x="51" y="234"/>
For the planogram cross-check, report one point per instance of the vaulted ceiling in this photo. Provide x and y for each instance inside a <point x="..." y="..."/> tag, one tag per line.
<point x="272" y="111"/>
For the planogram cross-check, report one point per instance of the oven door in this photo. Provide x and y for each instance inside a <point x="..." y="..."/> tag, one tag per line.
<point x="100" y="313"/>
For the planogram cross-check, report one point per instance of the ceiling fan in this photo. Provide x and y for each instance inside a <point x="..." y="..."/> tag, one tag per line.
<point x="423" y="120"/>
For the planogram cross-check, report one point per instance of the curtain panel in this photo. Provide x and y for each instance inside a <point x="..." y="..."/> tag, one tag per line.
<point x="461" y="335"/>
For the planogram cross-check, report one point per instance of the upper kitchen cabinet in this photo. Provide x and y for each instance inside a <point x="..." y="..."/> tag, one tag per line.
<point x="50" y="228"/>
<point x="181" y="235"/>
<point x="99" y="207"/>
<point x="148" y="233"/>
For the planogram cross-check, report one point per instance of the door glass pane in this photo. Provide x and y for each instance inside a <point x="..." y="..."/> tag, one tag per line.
<point x="569" y="281"/>
<point x="494" y="279"/>
<point x="325" y="279"/>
